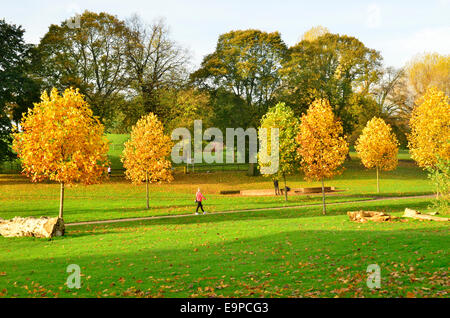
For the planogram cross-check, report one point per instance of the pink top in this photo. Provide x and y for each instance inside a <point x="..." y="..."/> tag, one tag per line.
<point x="199" y="197"/>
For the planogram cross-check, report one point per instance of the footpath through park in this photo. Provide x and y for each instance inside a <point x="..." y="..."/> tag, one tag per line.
<point x="247" y="210"/>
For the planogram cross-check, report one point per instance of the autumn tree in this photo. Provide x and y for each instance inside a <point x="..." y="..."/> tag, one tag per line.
<point x="429" y="70"/>
<point x="429" y="139"/>
<point x="314" y="33"/>
<point x="378" y="147"/>
<point x="394" y="101"/>
<point x="321" y="145"/>
<point x="333" y="67"/>
<point x="281" y="117"/>
<point x="245" y="63"/>
<point x="145" y="156"/>
<point x="157" y="63"/>
<point x="184" y="106"/>
<point x="62" y="141"/>
<point x="91" y="57"/>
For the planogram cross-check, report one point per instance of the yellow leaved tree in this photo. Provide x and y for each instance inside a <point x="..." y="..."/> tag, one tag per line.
<point x="429" y="70"/>
<point x="314" y="33"/>
<point x="322" y="146"/>
<point x="378" y="147"/>
<point x="145" y="156"/>
<point x="429" y="142"/>
<point x="430" y="129"/>
<point x="62" y="141"/>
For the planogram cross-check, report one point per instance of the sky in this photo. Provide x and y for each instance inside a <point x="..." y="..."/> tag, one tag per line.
<point x="398" y="29"/>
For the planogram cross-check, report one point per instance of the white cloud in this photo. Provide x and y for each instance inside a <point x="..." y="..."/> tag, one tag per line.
<point x="429" y="40"/>
<point x="373" y="16"/>
<point x="398" y="51"/>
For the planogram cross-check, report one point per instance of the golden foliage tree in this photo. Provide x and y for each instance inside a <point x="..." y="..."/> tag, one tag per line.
<point x="322" y="146"/>
<point x="429" y="140"/>
<point x="315" y="32"/>
<point x="187" y="106"/>
<point x="62" y="141"/>
<point x="429" y="70"/>
<point x="145" y="156"/>
<point x="378" y="147"/>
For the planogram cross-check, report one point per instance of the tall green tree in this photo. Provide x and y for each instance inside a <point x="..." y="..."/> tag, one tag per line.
<point x="157" y="63"/>
<point x="334" y="67"/>
<point x="394" y="101"/>
<point x="90" y="57"/>
<point x="245" y="63"/>
<point x="283" y="118"/>
<point x="17" y="90"/>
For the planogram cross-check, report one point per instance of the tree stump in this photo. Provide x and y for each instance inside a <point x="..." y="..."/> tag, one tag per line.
<point x="364" y="216"/>
<point x="32" y="227"/>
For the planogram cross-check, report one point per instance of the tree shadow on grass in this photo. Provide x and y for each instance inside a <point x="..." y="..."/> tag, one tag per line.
<point x="320" y="260"/>
<point x="292" y="213"/>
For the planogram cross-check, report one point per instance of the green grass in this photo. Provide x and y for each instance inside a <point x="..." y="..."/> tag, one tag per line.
<point x="116" y="148"/>
<point x="292" y="253"/>
<point x="117" y="198"/>
<point x="295" y="252"/>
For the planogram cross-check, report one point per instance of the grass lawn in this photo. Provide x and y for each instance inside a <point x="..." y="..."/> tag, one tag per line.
<point x="118" y="198"/>
<point x="295" y="252"/>
<point x="292" y="253"/>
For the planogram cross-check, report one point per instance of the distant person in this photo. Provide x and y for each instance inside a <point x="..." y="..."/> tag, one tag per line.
<point x="198" y="199"/>
<point x="276" y="186"/>
<point x="109" y="171"/>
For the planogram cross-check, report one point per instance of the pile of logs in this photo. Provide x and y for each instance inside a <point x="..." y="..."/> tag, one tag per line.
<point x="364" y="216"/>
<point x="42" y="227"/>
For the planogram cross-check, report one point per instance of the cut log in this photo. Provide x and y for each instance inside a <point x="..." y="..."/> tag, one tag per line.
<point x="43" y="227"/>
<point x="226" y="192"/>
<point x="410" y="213"/>
<point x="364" y="216"/>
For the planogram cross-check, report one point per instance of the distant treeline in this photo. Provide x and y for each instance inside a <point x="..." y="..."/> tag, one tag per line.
<point x="127" y="69"/>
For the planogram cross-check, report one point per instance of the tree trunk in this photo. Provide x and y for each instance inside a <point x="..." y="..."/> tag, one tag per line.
<point x="146" y="188"/>
<point x="61" y="201"/>
<point x="323" y="199"/>
<point x="285" y="189"/>
<point x="378" y="181"/>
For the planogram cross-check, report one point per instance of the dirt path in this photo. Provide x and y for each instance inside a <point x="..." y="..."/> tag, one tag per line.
<point x="246" y="210"/>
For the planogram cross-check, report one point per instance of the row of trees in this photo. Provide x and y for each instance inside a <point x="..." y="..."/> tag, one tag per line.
<point x="316" y="143"/>
<point x="64" y="142"/>
<point x="127" y="69"/>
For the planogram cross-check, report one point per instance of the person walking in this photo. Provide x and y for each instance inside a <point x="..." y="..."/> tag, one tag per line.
<point x="276" y="186"/>
<point x="198" y="199"/>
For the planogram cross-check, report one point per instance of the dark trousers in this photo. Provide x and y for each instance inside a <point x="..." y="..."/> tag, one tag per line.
<point x="277" y="190"/>
<point x="199" y="205"/>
